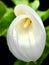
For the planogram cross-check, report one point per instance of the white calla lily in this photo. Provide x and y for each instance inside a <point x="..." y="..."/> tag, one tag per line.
<point x="26" y="35"/>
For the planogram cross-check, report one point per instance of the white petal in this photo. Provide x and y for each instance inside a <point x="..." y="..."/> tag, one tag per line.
<point x="26" y="45"/>
<point x="26" y="10"/>
<point x="13" y="40"/>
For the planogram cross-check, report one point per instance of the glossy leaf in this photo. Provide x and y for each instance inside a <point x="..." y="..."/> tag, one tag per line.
<point x="44" y="14"/>
<point x="47" y="36"/>
<point x="3" y="9"/>
<point x="20" y="2"/>
<point x="5" y="21"/>
<point x="18" y="62"/>
<point x="35" y="4"/>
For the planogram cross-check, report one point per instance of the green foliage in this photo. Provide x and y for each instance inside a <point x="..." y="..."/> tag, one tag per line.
<point x="5" y="21"/>
<point x="20" y="2"/>
<point x="35" y="4"/>
<point x="47" y="36"/>
<point x="3" y="9"/>
<point x="18" y="62"/>
<point x="44" y="14"/>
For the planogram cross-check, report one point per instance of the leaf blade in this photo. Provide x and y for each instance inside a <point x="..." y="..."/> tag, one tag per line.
<point x="35" y="4"/>
<point x="5" y="21"/>
<point x="44" y="14"/>
<point x="47" y="36"/>
<point x="3" y="9"/>
<point x="20" y="2"/>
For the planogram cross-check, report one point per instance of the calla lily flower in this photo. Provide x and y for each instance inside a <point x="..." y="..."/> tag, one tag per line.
<point x="26" y="35"/>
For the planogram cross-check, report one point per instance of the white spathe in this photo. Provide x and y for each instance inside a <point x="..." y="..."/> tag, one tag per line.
<point x="26" y="44"/>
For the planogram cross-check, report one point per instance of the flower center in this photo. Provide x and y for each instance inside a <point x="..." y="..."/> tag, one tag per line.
<point x="24" y="24"/>
<point x="27" y="23"/>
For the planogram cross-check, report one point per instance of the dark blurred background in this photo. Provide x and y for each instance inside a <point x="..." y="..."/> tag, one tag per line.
<point x="6" y="58"/>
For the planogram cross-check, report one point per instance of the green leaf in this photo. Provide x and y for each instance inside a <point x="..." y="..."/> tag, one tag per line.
<point x="35" y="4"/>
<point x="43" y="14"/>
<point x="3" y="9"/>
<point x="20" y="1"/>
<point x="18" y="62"/>
<point x="5" y="21"/>
<point x="47" y="36"/>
